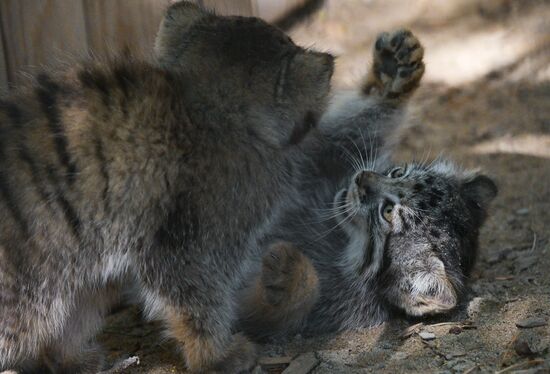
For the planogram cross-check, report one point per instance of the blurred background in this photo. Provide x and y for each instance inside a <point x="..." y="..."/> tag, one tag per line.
<point x="46" y="32"/>
<point x="464" y="39"/>
<point x="484" y="102"/>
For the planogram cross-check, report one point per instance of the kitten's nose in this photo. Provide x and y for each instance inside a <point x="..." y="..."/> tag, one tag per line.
<point x="366" y="184"/>
<point x="365" y="178"/>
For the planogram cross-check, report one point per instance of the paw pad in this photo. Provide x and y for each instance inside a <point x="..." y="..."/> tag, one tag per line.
<point x="398" y="65"/>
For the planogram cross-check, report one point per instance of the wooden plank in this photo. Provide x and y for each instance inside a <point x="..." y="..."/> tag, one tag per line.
<point x="113" y="25"/>
<point x="303" y="364"/>
<point x="3" y="67"/>
<point x="230" y="7"/>
<point x="273" y="10"/>
<point x="41" y="32"/>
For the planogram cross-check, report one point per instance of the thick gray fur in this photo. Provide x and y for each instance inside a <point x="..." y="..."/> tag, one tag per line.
<point x="367" y="268"/>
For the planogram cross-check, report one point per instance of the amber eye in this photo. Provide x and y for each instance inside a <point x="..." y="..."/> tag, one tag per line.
<point x="397" y="172"/>
<point x="387" y="211"/>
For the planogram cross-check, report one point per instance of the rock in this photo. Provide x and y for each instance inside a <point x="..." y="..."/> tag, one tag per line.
<point x="522" y="211"/>
<point x="400" y="356"/>
<point x="453" y="354"/>
<point x="530" y="371"/>
<point x="523" y="348"/>
<point x="460" y="365"/>
<point x="303" y="364"/>
<point x="474" y="306"/>
<point x="122" y="365"/>
<point x="411" y="330"/>
<point x="425" y="335"/>
<point x="274" y="362"/>
<point x="531" y="322"/>
<point x="455" y="330"/>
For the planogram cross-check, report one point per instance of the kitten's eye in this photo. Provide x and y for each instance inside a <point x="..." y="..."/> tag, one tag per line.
<point x="397" y="172"/>
<point x="387" y="211"/>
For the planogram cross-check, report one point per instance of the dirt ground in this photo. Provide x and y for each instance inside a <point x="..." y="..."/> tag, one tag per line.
<point x="485" y="102"/>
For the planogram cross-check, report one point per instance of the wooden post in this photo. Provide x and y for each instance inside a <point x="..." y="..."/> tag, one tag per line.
<point x="3" y="67"/>
<point x="230" y="7"/>
<point x="41" y="32"/>
<point x="112" y="25"/>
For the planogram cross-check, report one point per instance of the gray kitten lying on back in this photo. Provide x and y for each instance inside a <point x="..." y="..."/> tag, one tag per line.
<point x="365" y="238"/>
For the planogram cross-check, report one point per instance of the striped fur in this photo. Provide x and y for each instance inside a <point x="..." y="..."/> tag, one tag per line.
<point x="156" y="175"/>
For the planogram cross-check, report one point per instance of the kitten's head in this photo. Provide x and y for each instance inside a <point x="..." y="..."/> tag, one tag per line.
<point x="246" y="64"/>
<point x="421" y="225"/>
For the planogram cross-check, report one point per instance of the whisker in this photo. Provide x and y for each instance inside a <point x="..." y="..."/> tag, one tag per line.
<point x="339" y="224"/>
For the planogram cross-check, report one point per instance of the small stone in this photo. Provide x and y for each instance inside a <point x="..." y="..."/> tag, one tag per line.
<point x="455" y="330"/>
<point x="274" y="362"/>
<point x="121" y="365"/>
<point x="522" y="211"/>
<point x="528" y="323"/>
<point x="387" y="346"/>
<point x="425" y="335"/>
<point x="522" y="348"/>
<point x="303" y="364"/>
<point x="400" y="356"/>
<point x="458" y="353"/>
<point x="463" y="366"/>
<point x="474" y="306"/>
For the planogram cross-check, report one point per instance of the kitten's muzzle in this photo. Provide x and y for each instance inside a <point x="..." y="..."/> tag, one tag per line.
<point x="366" y="183"/>
<point x="370" y="185"/>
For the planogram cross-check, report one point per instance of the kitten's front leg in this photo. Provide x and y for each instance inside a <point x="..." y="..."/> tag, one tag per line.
<point x="195" y="301"/>
<point x="360" y="127"/>
<point x="203" y="330"/>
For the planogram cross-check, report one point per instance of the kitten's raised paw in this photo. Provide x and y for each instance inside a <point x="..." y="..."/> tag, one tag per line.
<point x="397" y="65"/>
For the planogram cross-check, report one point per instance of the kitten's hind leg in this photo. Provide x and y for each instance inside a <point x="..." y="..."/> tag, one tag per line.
<point x="283" y="294"/>
<point x="397" y="65"/>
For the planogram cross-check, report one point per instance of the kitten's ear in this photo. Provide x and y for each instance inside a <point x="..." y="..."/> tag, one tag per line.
<point x="178" y="19"/>
<point x="310" y="73"/>
<point x="480" y="189"/>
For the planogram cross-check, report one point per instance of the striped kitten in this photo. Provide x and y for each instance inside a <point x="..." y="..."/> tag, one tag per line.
<point x="154" y="176"/>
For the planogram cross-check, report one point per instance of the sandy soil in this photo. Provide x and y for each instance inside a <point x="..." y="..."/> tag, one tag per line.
<point x="485" y="102"/>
